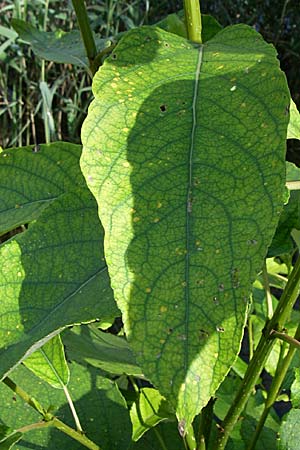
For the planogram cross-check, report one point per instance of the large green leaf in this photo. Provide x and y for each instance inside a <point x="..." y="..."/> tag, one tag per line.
<point x="184" y="150"/>
<point x="88" y="345"/>
<point x="51" y="276"/>
<point x="31" y="180"/>
<point x="101" y="408"/>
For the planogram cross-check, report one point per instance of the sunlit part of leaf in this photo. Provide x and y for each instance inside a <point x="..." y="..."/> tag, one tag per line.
<point x="294" y="124"/>
<point x="52" y="276"/>
<point x="31" y="180"/>
<point x="49" y="363"/>
<point x="58" y="46"/>
<point x="88" y="345"/>
<point x="149" y="409"/>
<point x="295" y="390"/>
<point x="181" y="145"/>
<point x="101" y="408"/>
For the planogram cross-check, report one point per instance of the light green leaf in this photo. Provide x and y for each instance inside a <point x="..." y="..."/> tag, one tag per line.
<point x="58" y="46"/>
<point x="51" y="276"/>
<point x="294" y="124"/>
<point x="164" y="432"/>
<point x="295" y="390"/>
<point x="290" y="431"/>
<point x="87" y="344"/>
<point x="181" y="144"/>
<point x="100" y="406"/>
<point x="49" y="363"/>
<point x="149" y="409"/>
<point x="32" y="180"/>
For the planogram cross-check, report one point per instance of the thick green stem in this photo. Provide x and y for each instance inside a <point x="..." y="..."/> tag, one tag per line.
<point x="281" y="314"/>
<point x="193" y="21"/>
<point x="86" y="32"/>
<point x="277" y="381"/>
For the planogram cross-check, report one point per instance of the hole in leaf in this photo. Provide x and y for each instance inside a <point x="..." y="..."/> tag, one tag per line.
<point x="163" y="108"/>
<point x="114" y="56"/>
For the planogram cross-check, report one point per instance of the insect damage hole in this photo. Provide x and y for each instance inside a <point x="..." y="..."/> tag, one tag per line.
<point x="163" y="108"/>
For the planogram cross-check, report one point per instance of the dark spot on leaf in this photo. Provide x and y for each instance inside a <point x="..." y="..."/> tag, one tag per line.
<point x="170" y="330"/>
<point x="166" y="44"/>
<point x="220" y="329"/>
<point x="203" y="334"/>
<point x="163" y="108"/>
<point x="114" y="56"/>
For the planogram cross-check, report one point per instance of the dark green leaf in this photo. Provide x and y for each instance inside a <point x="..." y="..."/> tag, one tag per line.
<point x="31" y="180"/>
<point x="52" y="276"/>
<point x="101" y="409"/>
<point x="111" y="353"/>
<point x="58" y="45"/>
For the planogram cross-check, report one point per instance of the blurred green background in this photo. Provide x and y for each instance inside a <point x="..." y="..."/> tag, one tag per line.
<point x="22" y="105"/>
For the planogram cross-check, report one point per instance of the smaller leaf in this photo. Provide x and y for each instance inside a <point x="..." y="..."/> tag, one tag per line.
<point x="149" y="409"/>
<point x="295" y="390"/>
<point x="58" y="46"/>
<point x="290" y="431"/>
<point x="293" y="131"/>
<point x="49" y="363"/>
<point x="103" y="350"/>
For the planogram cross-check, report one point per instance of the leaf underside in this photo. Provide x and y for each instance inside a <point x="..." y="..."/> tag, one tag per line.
<point x="181" y="145"/>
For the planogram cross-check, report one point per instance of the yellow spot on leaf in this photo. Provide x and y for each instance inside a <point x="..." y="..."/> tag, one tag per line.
<point x="114" y="85"/>
<point x="136" y="219"/>
<point x="159" y="204"/>
<point x="148" y="290"/>
<point x="156" y="219"/>
<point x="125" y="130"/>
<point x="163" y="309"/>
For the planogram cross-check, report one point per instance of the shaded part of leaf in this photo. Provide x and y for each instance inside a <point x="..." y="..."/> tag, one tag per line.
<point x="88" y="345"/>
<point x="10" y="440"/>
<point x="101" y="408"/>
<point x="53" y="276"/>
<point x="30" y="181"/>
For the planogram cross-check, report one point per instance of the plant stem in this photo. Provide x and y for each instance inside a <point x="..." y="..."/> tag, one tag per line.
<point x="277" y="381"/>
<point x="193" y="21"/>
<point x="86" y="32"/>
<point x="48" y="418"/>
<point x="280" y="316"/>
<point x="286" y="338"/>
<point x="74" y="434"/>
